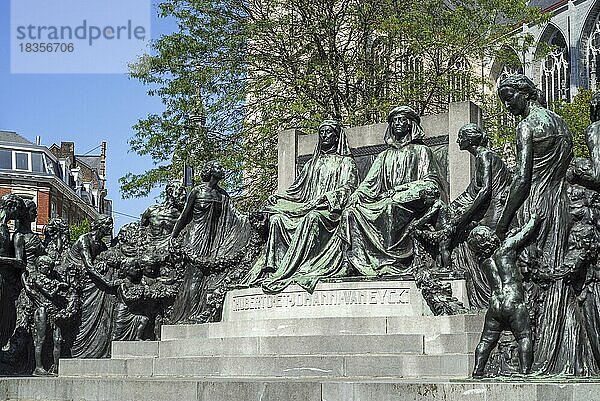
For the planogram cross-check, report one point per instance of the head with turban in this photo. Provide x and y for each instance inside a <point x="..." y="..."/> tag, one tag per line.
<point x="401" y="132"/>
<point x="332" y="139"/>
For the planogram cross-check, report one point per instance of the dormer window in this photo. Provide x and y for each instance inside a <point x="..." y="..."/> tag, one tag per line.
<point x="22" y="161"/>
<point x="5" y="159"/>
<point x="37" y="163"/>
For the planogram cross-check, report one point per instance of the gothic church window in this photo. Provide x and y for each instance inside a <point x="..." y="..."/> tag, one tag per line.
<point x="554" y="70"/>
<point x="459" y="82"/>
<point x="593" y="48"/>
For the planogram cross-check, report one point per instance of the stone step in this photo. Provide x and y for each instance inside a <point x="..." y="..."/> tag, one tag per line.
<point x="462" y="343"/>
<point x="106" y="367"/>
<point x="243" y="389"/>
<point x="134" y="349"/>
<point x="135" y="389"/>
<point x="351" y="366"/>
<point x="299" y="345"/>
<point x="469" y="323"/>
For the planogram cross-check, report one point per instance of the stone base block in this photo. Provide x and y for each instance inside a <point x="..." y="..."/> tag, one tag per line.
<point x="290" y="366"/>
<point x="334" y="299"/>
<point x="240" y="389"/>
<point x="329" y="326"/>
<point x="106" y="367"/>
<point x="300" y="345"/>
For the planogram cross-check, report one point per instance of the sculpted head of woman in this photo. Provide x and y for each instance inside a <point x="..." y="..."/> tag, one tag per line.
<point x="516" y="92"/>
<point x="471" y="135"/>
<point x="212" y="169"/>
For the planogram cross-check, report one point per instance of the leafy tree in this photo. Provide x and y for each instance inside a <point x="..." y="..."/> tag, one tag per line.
<point x="499" y="124"/>
<point x="238" y="71"/>
<point x="577" y="116"/>
<point x="77" y="230"/>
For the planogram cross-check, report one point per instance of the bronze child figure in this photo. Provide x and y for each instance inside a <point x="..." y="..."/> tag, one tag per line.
<point x="47" y="295"/>
<point x="507" y="309"/>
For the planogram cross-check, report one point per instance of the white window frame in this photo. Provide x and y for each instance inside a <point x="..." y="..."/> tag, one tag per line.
<point x="14" y="160"/>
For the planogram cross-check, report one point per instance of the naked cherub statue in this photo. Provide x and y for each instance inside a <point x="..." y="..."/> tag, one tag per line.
<point x="507" y="309"/>
<point x="44" y="290"/>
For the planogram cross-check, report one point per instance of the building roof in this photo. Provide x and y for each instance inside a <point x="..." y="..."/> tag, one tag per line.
<point x="13" y="137"/>
<point x="545" y="4"/>
<point x="92" y="162"/>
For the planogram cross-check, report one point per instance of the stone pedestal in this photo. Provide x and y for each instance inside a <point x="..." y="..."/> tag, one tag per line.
<point x="334" y="299"/>
<point x="349" y="341"/>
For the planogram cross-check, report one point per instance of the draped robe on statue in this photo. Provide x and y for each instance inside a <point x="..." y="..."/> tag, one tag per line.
<point x="127" y="319"/>
<point x="302" y="245"/>
<point x="375" y="226"/>
<point x="93" y="337"/>
<point x="217" y="230"/>
<point x="558" y="323"/>
<point x="478" y="288"/>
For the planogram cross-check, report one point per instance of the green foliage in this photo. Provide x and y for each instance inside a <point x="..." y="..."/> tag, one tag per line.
<point x="255" y="67"/>
<point x="498" y="123"/>
<point x="577" y="116"/>
<point x="76" y="230"/>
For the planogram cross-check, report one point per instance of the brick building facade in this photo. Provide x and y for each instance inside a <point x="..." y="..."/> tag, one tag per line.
<point x="61" y="183"/>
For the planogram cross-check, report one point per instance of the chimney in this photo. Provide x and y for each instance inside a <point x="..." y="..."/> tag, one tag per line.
<point x="38" y="140"/>
<point x="102" y="171"/>
<point x="67" y="151"/>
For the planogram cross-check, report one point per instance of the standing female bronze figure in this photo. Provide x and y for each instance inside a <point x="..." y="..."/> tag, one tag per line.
<point x="544" y="152"/>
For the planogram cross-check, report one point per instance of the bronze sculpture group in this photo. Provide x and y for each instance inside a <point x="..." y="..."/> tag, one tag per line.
<point x="526" y="243"/>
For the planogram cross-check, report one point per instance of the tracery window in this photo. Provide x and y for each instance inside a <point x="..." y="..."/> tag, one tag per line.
<point x="593" y="49"/>
<point x="507" y="71"/>
<point x="409" y="76"/>
<point x="507" y="63"/>
<point x="459" y="82"/>
<point x="554" y="74"/>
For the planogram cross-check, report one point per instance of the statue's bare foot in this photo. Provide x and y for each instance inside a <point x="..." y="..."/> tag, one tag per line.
<point x="53" y="370"/>
<point x="477" y="375"/>
<point x="40" y="372"/>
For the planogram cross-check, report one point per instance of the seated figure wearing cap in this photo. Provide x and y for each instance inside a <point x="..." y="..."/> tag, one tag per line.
<point x="302" y="246"/>
<point x="376" y="224"/>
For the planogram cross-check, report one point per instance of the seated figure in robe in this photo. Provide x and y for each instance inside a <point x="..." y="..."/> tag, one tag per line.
<point x="389" y="199"/>
<point x="302" y="246"/>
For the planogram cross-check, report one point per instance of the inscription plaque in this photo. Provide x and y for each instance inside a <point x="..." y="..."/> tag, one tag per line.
<point x="332" y="299"/>
<point x="302" y="299"/>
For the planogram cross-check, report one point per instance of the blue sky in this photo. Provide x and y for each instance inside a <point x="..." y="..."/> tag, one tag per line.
<point x="84" y="108"/>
